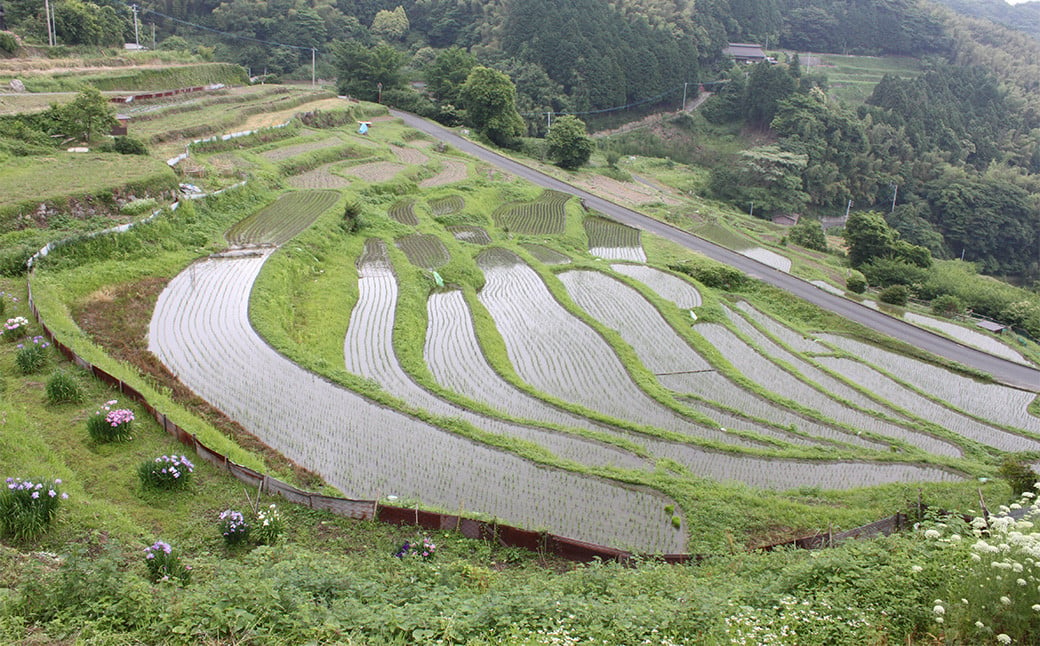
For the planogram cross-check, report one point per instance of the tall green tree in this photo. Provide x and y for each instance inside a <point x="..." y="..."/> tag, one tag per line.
<point x="446" y="74"/>
<point x="569" y="144"/>
<point x="362" y="69"/>
<point x="87" y="115"/>
<point x="489" y="98"/>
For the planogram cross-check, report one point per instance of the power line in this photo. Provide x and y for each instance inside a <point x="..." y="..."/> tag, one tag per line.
<point x="228" y="34"/>
<point x="626" y="106"/>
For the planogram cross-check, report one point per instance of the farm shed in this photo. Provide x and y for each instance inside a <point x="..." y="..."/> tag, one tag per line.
<point x="745" y="52"/>
<point x="991" y="326"/>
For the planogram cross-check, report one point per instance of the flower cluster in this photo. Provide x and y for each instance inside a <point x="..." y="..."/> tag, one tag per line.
<point x="27" y="508"/>
<point x="793" y="621"/>
<point x="994" y="574"/>
<point x="268" y="525"/>
<point x="234" y="527"/>
<point x="166" y="472"/>
<point x="110" y="425"/>
<point x="14" y="327"/>
<point x="32" y="355"/>
<point x="424" y="549"/>
<point x="164" y="565"/>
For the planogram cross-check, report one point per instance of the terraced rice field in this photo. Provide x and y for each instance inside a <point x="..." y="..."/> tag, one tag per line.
<point x="280" y="221"/>
<point x="668" y="286"/>
<point x="455" y="358"/>
<point x="375" y="171"/>
<point x="368" y="351"/>
<point x="447" y="205"/>
<point x="543" y="216"/>
<point x="287" y="152"/>
<point x="767" y="257"/>
<point x="546" y="256"/>
<point x="472" y="235"/>
<point x="966" y="336"/>
<point x="404" y="212"/>
<point x="451" y="171"/>
<point x="424" y="250"/>
<point x="321" y="177"/>
<point x="407" y="155"/>
<point x="201" y="331"/>
<point x="613" y="240"/>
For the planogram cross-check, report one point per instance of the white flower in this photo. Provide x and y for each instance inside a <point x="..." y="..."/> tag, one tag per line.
<point x="1036" y="607"/>
<point x="1005" y="600"/>
<point x="1003" y="638"/>
<point x="932" y="534"/>
<point x="916" y="568"/>
<point x="979" y="624"/>
<point x="939" y="610"/>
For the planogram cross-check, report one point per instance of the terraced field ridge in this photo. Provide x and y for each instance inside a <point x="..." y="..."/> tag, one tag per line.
<point x="280" y="221"/>
<point x="424" y="250"/>
<point x="613" y="240"/>
<point x="201" y="330"/>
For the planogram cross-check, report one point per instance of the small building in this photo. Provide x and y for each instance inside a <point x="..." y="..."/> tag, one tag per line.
<point x="121" y="129"/>
<point x="991" y="326"/>
<point x="745" y="53"/>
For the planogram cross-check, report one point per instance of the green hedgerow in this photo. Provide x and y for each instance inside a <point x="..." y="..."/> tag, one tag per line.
<point x="27" y="508"/>
<point x="166" y="472"/>
<point x="32" y="356"/>
<point x="63" y="388"/>
<point x="109" y="424"/>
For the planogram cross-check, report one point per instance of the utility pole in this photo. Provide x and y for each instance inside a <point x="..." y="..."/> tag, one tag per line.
<point x="137" y="40"/>
<point x="683" y="108"/>
<point x="847" y="209"/>
<point x="751" y="212"/>
<point x="895" y="189"/>
<point x="312" y="66"/>
<point x="548" y="121"/>
<point x="153" y="36"/>
<point x="47" y="17"/>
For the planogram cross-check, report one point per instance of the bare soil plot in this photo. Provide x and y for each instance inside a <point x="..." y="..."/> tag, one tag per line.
<point x="560" y="355"/>
<point x="628" y="192"/>
<point x="471" y="234"/>
<point x="546" y="255"/>
<point x="410" y="156"/>
<point x="375" y="171"/>
<point x="987" y="401"/>
<point x="451" y="171"/>
<point x="404" y="212"/>
<point x="457" y="362"/>
<point x="287" y="152"/>
<point x="368" y="351"/>
<point x="201" y="331"/>
<point x="667" y="285"/>
<point x="613" y="240"/>
<point x="321" y="177"/>
<point x="545" y="215"/>
<point x="658" y="346"/>
<point x="424" y="250"/>
<point x="281" y="220"/>
<point x="268" y="119"/>
<point x="447" y="205"/>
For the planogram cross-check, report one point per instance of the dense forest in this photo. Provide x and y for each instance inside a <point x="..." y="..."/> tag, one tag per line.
<point x="951" y="154"/>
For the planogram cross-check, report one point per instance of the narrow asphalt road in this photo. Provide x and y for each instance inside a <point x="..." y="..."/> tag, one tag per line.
<point x="1002" y="370"/>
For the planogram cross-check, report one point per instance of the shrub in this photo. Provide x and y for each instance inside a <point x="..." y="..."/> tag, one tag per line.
<point x="856" y="282"/>
<point x="895" y="295"/>
<point x="166" y="472"/>
<point x="1018" y="475"/>
<point x="63" y="388"/>
<point x="110" y="425"/>
<point x="32" y="357"/>
<point x="267" y="525"/>
<point x="233" y="527"/>
<point x="129" y="146"/>
<point x="8" y="43"/>
<point x="137" y="207"/>
<point x="164" y="565"/>
<point x="809" y="233"/>
<point x="947" y="305"/>
<point x="27" y="508"/>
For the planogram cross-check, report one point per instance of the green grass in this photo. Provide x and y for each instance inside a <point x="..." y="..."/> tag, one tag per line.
<point x="851" y="79"/>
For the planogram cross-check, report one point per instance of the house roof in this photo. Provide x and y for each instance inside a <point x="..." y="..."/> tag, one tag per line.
<point x="991" y="326"/>
<point x="745" y="50"/>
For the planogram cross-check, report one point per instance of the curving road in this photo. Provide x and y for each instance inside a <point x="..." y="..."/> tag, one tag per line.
<point x="1002" y="370"/>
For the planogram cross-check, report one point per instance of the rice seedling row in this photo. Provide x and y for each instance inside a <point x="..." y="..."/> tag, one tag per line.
<point x="613" y="240"/>
<point x="281" y="220"/>
<point x="404" y="212"/>
<point x="454" y="357"/>
<point x="369" y="352"/>
<point x="771" y="377"/>
<point x="787" y="336"/>
<point x="966" y="336"/>
<point x="560" y="355"/>
<point x="285" y="152"/>
<point x="409" y="156"/>
<point x="451" y="171"/>
<point x="318" y="178"/>
<point x="424" y="250"/>
<point x="471" y="234"/>
<point x="447" y="205"/>
<point x="545" y="255"/>
<point x="200" y="329"/>
<point x="657" y="345"/>
<point x="770" y="348"/>
<point x="542" y="216"/>
<point x="930" y="410"/>
<point x="667" y="285"/>
<point x="993" y="402"/>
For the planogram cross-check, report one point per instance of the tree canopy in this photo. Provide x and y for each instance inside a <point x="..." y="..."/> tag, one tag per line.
<point x="489" y="98"/>
<point x="569" y="144"/>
